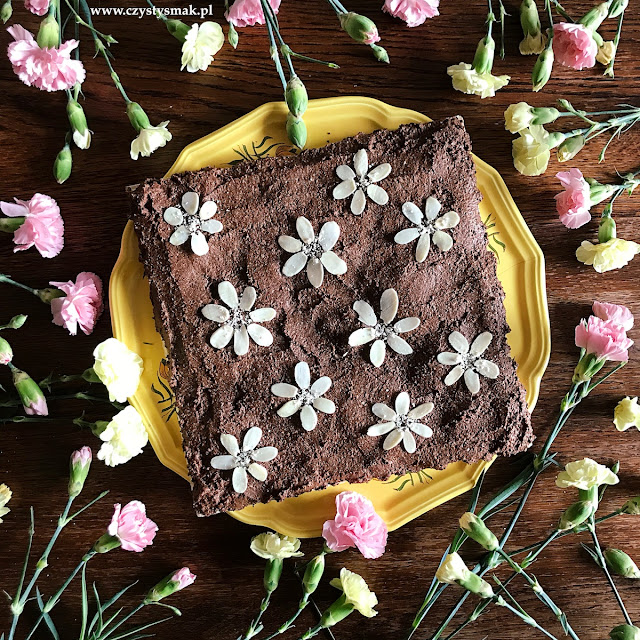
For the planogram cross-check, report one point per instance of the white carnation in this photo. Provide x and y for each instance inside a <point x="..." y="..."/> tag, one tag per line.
<point x="118" y="368"/>
<point x="123" y="438"/>
<point x="149" y="139"/>
<point x="201" y="43"/>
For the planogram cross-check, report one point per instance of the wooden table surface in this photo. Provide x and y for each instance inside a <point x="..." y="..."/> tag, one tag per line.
<point x="33" y="457"/>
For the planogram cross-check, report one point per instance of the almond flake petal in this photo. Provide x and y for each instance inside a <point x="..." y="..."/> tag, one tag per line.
<point x="423" y="247"/>
<point x="377" y="194"/>
<point x="442" y="240"/>
<point x="402" y="403"/>
<point x="315" y="272"/>
<point x="381" y="429"/>
<point x="239" y="480"/>
<point x="365" y="312"/>
<point x="208" y="210"/>
<point x="215" y="312"/>
<point x="221" y="337"/>
<point x="412" y="213"/>
<point x="290" y="244"/>
<point x="264" y="454"/>
<point x="199" y="244"/>
<point x="289" y="408"/>
<point x="305" y="230"/>
<point x="251" y="438"/>
<point x="257" y="471"/>
<point x="358" y="202"/>
<point x="295" y="264"/>
<point x="179" y="236"/>
<point x="388" y="305"/>
<point x="454" y="375"/>
<point x="284" y="390"/>
<point x="383" y="412"/>
<point x="329" y="234"/>
<point x="308" y="418"/>
<point x="302" y="375"/>
<point x="406" y="235"/>
<point x="472" y="380"/>
<point x="380" y="172"/>
<point x="173" y="216"/>
<point x="406" y="324"/>
<point x="190" y="202"/>
<point x="487" y="368"/>
<point x="392" y="440"/>
<point x="377" y="353"/>
<point x="344" y="189"/>
<point x="409" y="441"/>
<point x="432" y="208"/>
<point x="325" y="405"/>
<point x="449" y="358"/>
<point x="230" y="443"/>
<point x="361" y="336"/>
<point x="481" y="343"/>
<point x="345" y="172"/>
<point x="447" y="221"/>
<point x="321" y="386"/>
<point x="265" y="314"/>
<point x="421" y="429"/>
<point x="459" y="342"/>
<point x="224" y="463"/>
<point x="211" y="226"/>
<point x="248" y="299"/>
<point x="361" y="163"/>
<point x="241" y="341"/>
<point x="399" y="345"/>
<point x="227" y="293"/>
<point x="261" y="336"/>
<point x="421" y="411"/>
<point x="333" y="264"/>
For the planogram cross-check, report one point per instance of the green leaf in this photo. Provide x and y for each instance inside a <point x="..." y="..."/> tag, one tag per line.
<point x="46" y="617"/>
<point x="139" y="628"/>
<point x="97" y="618"/>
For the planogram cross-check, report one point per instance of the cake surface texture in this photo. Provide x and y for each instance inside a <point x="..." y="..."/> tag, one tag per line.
<point x="454" y="365"/>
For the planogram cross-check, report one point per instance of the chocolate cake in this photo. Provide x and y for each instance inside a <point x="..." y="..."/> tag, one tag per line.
<point x="331" y="316"/>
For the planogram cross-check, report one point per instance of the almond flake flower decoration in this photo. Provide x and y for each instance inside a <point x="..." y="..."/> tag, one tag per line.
<point x="244" y="460"/>
<point x="238" y="321"/>
<point x="306" y="397"/>
<point x="427" y="227"/>
<point x="191" y="221"/>
<point x="314" y="253"/>
<point x="359" y="180"/>
<point x="400" y="425"/>
<point x="468" y="361"/>
<point x="382" y="331"/>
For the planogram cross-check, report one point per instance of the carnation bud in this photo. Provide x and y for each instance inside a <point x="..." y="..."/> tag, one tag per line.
<point x="338" y="611"/>
<point x="6" y="352"/>
<point x="587" y="367"/>
<point x="49" y="294"/>
<point x="62" y="165"/>
<point x="177" y="29"/>
<point x="31" y="395"/>
<point x="380" y="53"/>
<point x="477" y="530"/>
<point x="296" y="97"/>
<point x="632" y="507"/>
<point x="78" y="122"/>
<point x="542" y="69"/>
<point x="544" y="115"/>
<point x="606" y="229"/>
<point x="570" y="148"/>
<point x="232" y="36"/>
<point x="617" y="7"/>
<point x="485" y="51"/>
<point x="359" y="27"/>
<point x="575" y="515"/>
<point x="313" y="574"/>
<point x="529" y="18"/>
<point x="78" y="470"/>
<point x="49" y="33"/>
<point x="297" y="131"/>
<point x="105" y="543"/>
<point x="621" y="564"/>
<point x="175" y="581"/>
<point x="6" y="11"/>
<point x="625" y="632"/>
<point x="272" y="573"/>
<point x="137" y="116"/>
<point x="17" y="321"/>
<point x="594" y="18"/>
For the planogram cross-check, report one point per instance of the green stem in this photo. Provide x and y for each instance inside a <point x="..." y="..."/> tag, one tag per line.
<point x="16" y="599"/>
<point x="561" y="11"/>
<point x="526" y="618"/>
<point x="122" y="621"/>
<point x="255" y="627"/>
<point x="8" y="280"/>
<point x="84" y="23"/>
<point x="616" y="41"/>
<point x="274" y="48"/>
<point x="302" y="605"/>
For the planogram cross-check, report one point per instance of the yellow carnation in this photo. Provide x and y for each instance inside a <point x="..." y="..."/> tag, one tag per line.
<point x="5" y="496"/>
<point x="533" y="44"/>
<point x="452" y="569"/>
<point x="118" y="368"/>
<point x="585" y="474"/>
<point x="518" y="117"/>
<point x="613" y="254"/>
<point x="356" y="592"/>
<point x="627" y="414"/>
<point x="606" y="52"/>
<point x="274" y="546"/>
<point x="467" y="80"/>
<point x="531" y="151"/>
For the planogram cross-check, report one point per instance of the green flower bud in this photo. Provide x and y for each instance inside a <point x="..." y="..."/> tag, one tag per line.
<point x="31" y="395"/>
<point x="606" y="229"/>
<point x="78" y="122"/>
<point x="338" y="611"/>
<point x="79" y="465"/>
<point x="474" y="583"/>
<point x="617" y="7"/>
<point x="587" y="367"/>
<point x="542" y="69"/>
<point x="529" y="18"/>
<point x="105" y="543"/>
<point x="137" y="116"/>
<point x="380" y="53"/>
<point x="570" y="148"/>
<point x="632" y="506"/>
<point x="175" y="581"/>
<point x="599" y="192"/>
<point x="17" y="321"/>
<point x="49" y="33"/>
<point x="313" y="574"/>
<point x="477" y="530"/>
<point x="625" y="632"/>
<point x="544" y="115"/>
<point x="272" y="573"/>
<point x="6" y="11"/>
<point x="359" y="27"/>
<point x="575" y="515"/>
<point x="6" y="352"/>
<point x="49" y="294"/>
<point x="232" y="36"/>
<point x="297" y="131"/>
<point x="62" y="165"/>
<point x="594" y="18"/>
<point x="485" y="51"/>
<point x="296" y="97"/>
<point x="177" y="29"/>
<point x="621" y="564"/>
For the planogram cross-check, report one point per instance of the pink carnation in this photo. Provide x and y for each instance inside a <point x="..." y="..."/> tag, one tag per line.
<point x="42" y="227"/>
<point x="49" y="68"/>
<point x="616" y="313"/>
<point x="39" y="7"/>
<point x="413" y="12"/>
<point x="183" y="577"/>
<point x="82" y="456"/>
<point x="604" y="339"/>
<point x="574" y="46"/>
<point x="81" y="306"/>
<point x="132" y="527"/>
<point x="246" y="13"/>
<point x="356" y="525"/>
<point x="574" y="203"/>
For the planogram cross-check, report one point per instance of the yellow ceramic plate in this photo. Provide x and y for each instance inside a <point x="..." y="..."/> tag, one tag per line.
<point x="520" y="269"/>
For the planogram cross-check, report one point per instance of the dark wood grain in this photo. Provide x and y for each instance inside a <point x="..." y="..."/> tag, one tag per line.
<point x="33" y="457"/>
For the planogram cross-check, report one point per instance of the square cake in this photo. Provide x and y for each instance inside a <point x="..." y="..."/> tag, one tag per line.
<point x="331" y="316"/>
